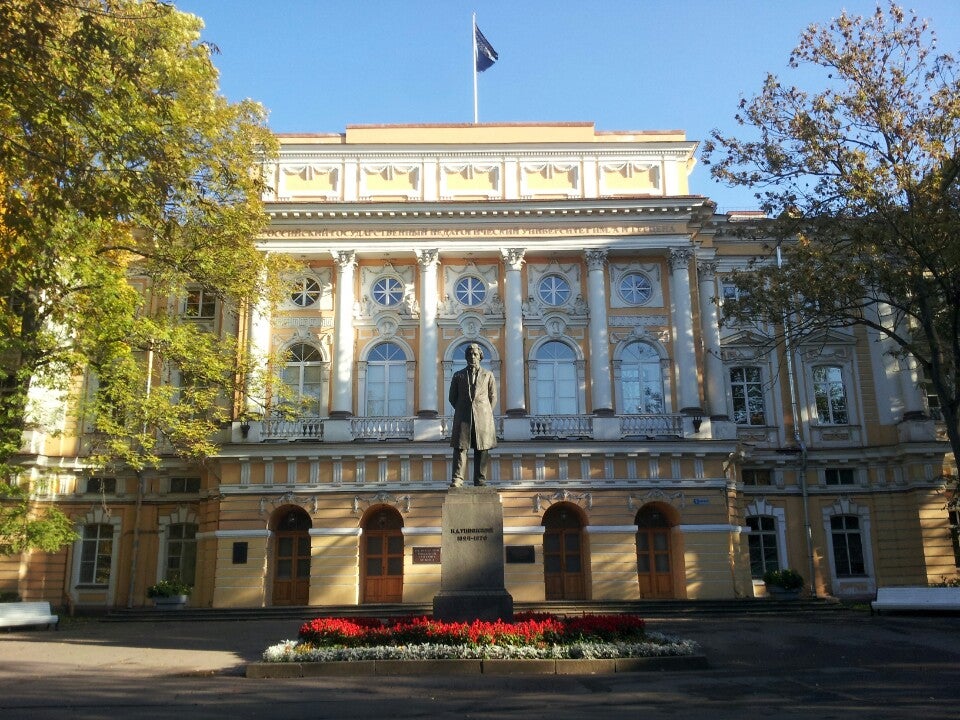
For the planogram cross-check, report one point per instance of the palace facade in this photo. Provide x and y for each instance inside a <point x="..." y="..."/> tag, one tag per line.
<point x="644" y="451"/>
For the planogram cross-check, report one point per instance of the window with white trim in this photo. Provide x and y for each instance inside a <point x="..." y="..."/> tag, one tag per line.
<point x="556" y="384"/>
<point x="830" y="395"/>
<point x="641" y="379"/>
<point x="746" y="389"/>
<point x="305" y="292"/>
<point x="303" y="374"/>
<point x="554" y="290"/>
<point x="386" y="384"/>
<point x="200" y="305"/>
<point x="470" y="290"/>
<point x="847" y="546"/>
<point x="387" y="291"/>
<point x="635" y="288"/>
<point x="96" y="554"/>
<point x="181" y="553"/>
<point x="762" y="542"/>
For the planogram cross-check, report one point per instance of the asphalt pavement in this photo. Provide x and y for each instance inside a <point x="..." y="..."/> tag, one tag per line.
<point x="838" y="664"/>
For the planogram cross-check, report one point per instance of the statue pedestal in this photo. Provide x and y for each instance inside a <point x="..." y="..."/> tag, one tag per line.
<point x="471" y="558"/>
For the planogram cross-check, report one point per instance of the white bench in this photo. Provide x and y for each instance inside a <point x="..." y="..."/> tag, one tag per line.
<point x="917" y="598"/>
<point x="17" y="614"/>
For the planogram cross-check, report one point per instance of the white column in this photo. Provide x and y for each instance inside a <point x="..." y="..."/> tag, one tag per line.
<point x="600" y="386"/>
<point x="428" y="360"/>
<point x="513" y="393"/>
<point x="684" y="353"/>
<point x="714" y="390"/>
<point x="259" y="348"/>
<point x="342" y="404"/>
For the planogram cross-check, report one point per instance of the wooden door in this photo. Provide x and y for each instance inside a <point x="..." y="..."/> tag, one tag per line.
<point x="653" y="563"/>
<point x="291" y="577"/>
<point x="383" y="558"/>
<point x="563" y="565"/>
<point x="654" y="566"/>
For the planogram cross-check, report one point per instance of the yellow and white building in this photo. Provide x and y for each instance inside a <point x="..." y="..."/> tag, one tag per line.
<point x="644" y="451"/>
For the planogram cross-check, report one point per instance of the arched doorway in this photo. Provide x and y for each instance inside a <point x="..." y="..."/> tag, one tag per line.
<point x="291" y="562"/>
<point x="382" y="561"/>
<point x="563" y="554"/>
<point x="654" y="565"/>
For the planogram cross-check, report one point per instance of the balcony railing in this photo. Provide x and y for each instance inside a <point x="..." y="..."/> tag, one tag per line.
<point x="382" y="428"/>
<point x="561" y="426"/>
<point x="651" y="426"/>
<point x="311" y="428"/>
<point x="304" y="428"/>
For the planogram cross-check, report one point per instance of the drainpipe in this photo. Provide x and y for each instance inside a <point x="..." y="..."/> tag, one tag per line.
<point x="798" y="439"/>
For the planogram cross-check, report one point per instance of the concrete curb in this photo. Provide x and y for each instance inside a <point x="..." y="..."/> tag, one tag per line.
<point x="475" y="667"/>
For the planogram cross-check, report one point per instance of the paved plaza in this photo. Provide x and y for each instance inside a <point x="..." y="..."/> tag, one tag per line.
<point x="840" y="664"/>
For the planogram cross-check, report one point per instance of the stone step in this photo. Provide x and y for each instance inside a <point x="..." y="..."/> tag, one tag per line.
<point x="646" y="608"/>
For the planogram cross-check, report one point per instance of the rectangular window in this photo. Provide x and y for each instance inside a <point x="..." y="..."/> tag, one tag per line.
<point x="200" y="305"/>
<point x="746" y="387"/>
<point x="182" y="553"/>
<point x="184" y="484"/>
<point x="762" y="541"/>
<point x="96" y="554"/>
<point x="729" y="290"/>
<point x="102" y="486"/>
<point x="757" y="476"/>
<point x="831" y="397"/>
<point x="847" y="546"/>
<point x="840" y="476"/>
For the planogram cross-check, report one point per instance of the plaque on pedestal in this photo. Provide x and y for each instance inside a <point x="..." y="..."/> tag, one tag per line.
<point x="471" y="558"/>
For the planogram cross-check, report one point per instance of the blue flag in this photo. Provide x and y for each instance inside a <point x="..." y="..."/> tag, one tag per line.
<point x="486" y="55"/>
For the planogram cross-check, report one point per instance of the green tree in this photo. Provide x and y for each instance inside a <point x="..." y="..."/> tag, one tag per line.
<point x="860" y="180"/>
<point x="26" y="526"/>
<point x="128" y="183"/>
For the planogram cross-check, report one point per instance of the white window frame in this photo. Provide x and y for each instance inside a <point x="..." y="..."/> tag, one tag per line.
<point x="323" y="364"/>
<point x="181" y="516"/>
<point x="579" y="375"/>
<point x="858" y="585"/>
<point x="97" y="516"/>
<point x="363" y="369"/>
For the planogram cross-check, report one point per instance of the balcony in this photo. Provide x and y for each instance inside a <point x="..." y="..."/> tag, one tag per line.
<point x="532" y="427"/>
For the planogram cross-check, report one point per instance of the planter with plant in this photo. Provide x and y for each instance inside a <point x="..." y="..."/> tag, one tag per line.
<point x="783" y="584"/>
<point x="169" y="594"/>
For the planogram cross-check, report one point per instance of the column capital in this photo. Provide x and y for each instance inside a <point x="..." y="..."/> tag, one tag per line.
<point x="344" y="258"/>
<point x="428" y="258"/>
<point x="680" y="258"/>
<point x="596" y="259"/>
<point x="513" y="257"/>
<point x="707" y="269"/>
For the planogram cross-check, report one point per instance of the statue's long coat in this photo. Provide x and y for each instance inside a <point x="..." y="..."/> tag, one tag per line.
<point x="476" y="415"/>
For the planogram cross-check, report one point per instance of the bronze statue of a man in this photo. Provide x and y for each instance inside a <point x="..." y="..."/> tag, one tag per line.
<point x="473" y="393"/>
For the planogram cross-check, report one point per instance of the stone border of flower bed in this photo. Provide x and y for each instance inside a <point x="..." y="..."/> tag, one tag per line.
<point x="662" y="663"/>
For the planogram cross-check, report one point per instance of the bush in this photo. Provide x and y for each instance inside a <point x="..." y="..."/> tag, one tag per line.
<point x="168" y="588"/>
<point x="787" y="579"/>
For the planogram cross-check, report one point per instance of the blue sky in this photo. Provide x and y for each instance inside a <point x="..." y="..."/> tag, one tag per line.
<point x="320" y="65"/>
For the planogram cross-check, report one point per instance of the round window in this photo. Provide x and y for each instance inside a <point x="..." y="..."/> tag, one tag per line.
<point x="470" y="290"/>
<point x="387" y="291"/>
<point x="305" y="292"/>
<point x="554" y="290"/>
<point x="635" y="288"/>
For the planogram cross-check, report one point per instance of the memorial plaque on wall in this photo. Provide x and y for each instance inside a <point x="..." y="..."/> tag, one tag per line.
<point x="426" y="555"/>
<point x="520" y="554"/>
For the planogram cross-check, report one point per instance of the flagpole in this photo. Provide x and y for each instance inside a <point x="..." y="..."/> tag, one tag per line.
<point x="473" y="62"/>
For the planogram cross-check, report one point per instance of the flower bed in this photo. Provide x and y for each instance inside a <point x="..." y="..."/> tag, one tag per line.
<point x="530" y="636"/>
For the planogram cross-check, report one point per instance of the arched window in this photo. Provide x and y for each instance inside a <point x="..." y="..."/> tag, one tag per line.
<point x="386" y="381"/>
<point x="642" y="380"/>
<point x="556" y="384"/>
<point x="303" y="375"/>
